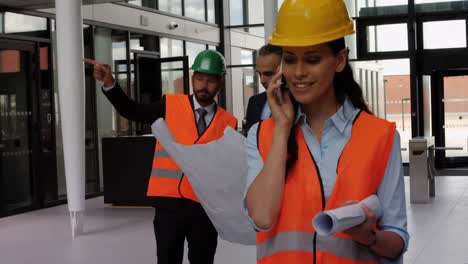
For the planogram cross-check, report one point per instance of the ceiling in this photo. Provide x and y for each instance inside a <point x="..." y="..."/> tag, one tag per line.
<point x="39" y="4"/>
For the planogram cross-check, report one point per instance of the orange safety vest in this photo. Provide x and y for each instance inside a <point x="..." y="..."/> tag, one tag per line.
<point x="166" y="177"/>
<point x="360" y="170"/>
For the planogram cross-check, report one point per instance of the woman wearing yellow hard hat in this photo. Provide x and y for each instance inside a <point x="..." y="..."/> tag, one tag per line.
<point x="321" y="149"/>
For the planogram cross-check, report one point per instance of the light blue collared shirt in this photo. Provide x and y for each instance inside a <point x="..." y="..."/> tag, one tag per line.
<point x="335" y="135"/>
<point x="210" y="111"/>
<point x="266" y="112"/>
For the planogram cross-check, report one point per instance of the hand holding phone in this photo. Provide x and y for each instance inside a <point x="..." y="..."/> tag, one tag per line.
<point x="283" y="86"/>
<point x="279" y="100"/>
<point x="282" y="89"/>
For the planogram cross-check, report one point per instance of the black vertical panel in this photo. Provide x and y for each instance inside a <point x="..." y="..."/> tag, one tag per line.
<point x="48" y="158"/>
<point x="417" y="111"/>
<point x="91" y="136"/>
<point x="437" y="112"/>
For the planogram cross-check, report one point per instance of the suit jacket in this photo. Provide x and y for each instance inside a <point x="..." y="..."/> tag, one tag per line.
<point x="254" y="110"/>
<point x="131" y="110"/>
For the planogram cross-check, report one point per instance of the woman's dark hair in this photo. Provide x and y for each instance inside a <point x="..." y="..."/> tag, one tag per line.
<point x="344" y="82"/>
<point x="344" y="85"/>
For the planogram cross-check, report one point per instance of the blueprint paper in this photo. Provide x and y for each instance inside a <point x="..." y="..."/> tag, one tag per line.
<point x="217" y="172"/>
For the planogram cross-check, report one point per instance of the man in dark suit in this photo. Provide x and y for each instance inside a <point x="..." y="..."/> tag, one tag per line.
<point x="267" y="64"/>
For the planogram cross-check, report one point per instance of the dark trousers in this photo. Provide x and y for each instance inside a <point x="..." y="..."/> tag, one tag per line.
<point x="188" y="221"/>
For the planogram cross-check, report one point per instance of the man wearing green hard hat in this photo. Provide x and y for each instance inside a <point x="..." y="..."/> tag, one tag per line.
<point x="192" y="119"/>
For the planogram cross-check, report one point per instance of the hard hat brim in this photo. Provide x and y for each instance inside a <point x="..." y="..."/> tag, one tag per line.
<point x="304" y="41"/>
<point x="208" y="72"/>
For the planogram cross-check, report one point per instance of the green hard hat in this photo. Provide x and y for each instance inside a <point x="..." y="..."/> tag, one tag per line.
<point x="209" y="61"/>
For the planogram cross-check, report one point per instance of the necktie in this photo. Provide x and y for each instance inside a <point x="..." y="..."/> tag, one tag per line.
<point x="201" y="124"/>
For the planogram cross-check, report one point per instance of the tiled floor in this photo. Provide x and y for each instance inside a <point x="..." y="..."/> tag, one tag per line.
<point x="439" y="230"/>
<point x="439" y="234"/>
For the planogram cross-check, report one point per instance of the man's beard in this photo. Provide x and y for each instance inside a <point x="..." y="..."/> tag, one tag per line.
<point x="204" y="96"/>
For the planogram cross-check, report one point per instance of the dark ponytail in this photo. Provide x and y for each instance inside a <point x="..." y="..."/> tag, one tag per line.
<point x="344" y="85"/>
<point x="292" y="142"/>
<point x="344" y="82"/>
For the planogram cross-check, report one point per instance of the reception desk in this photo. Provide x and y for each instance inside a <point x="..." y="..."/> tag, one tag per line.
<point x="126" y="165"/>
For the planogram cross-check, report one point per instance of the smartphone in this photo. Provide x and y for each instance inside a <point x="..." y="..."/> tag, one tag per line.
<point x="283" y="86"/>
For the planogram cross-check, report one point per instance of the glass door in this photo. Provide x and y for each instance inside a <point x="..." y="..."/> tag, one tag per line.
<point x="18" y="125"/>
<point x="450" y="117"/>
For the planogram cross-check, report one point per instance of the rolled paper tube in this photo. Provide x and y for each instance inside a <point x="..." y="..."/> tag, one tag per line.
<point x="333" y="221"/>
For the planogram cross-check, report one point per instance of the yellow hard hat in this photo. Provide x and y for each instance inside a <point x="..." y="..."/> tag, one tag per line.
<point x="310" y="22"/>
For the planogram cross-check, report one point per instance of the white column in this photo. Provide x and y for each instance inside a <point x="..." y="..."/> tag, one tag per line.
<point x="72" y="95"/>
<point x="270" y="9"/>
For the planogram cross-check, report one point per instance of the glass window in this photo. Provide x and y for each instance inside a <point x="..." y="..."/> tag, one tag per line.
<point x="149" y="3"/>
<point x="171" y="47"/>
<point x="386" y="89"/>
<point x="171" y="6"/>
<point x="119" y="64"/>
<point x="172" y="78"/>
<point x="119" y="55"/>
<point x="249" y="86"/>
<point x="171" y="72"/>
<point x="397" y="99"/>
<point x="247" y="57"/>
<point x="192" y="50"/>
<point x="436" y="35"/>
<point x="143" y="42"/>
<point x="257" y="31"/>
<point x="358" y="8"/>
<point x="256" y="17"/>
<point x="236" y="12"/>
<point x="211" y="11"/>
<point x="440" y="5"/>
<point x="371" y="38"/>
<point x="134" y="45"/>
<point x="392" y="37"/>
<point x="25" y="25"/>
<point x="195" y="9"/>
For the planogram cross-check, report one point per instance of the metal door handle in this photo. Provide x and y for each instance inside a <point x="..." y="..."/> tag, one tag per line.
<point x="447" y="148"/>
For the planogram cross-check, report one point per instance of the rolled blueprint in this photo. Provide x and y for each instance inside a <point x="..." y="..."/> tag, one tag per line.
<point x="333" y="221"/>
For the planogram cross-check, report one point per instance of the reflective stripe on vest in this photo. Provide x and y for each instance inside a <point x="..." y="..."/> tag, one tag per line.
<point x="174" y="174"/>
<point x="165" y="172"/>
<point x="302" y="241"/>
<point x="161" y="153"/>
